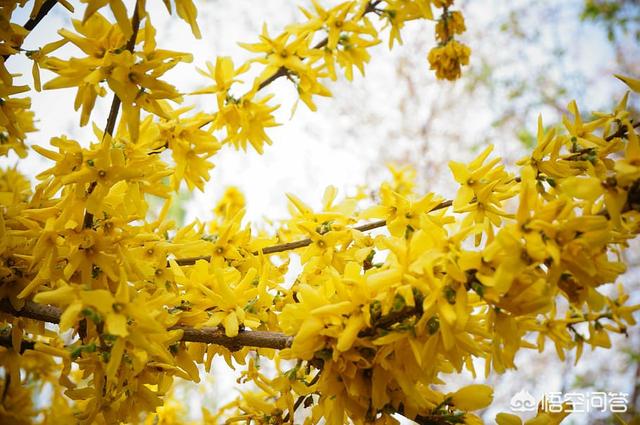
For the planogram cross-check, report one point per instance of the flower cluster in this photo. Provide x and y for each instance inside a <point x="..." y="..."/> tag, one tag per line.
<point x="16" y="120"/>
<point x="379" y="313"/>
<point x="370" y="325"/>
<point x="450" y="55"/>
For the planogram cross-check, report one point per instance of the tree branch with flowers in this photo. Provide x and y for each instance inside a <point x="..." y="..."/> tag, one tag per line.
<point x="105" y="302"/>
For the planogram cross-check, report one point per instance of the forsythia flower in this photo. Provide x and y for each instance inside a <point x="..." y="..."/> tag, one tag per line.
<point x="442" y="3"/>
<point x="134" y="77"/>
<point x="450" y="24"/>
<point x="15" y="118"/>
<point x="447" y="60"/>
<point x="472" y="397"/>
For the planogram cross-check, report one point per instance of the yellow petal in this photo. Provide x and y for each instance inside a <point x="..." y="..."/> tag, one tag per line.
<point x="508" y="419"/>
<point x="117" y="324"/>
<point x="472" y="397"/>
<point x="116" y="356"/>
<point x="350" y="332"/>
<point x="633" y="83"/>
<point x="68" y="318"/>
<point x="63" y="295"/>
<point x="230" y="324"/>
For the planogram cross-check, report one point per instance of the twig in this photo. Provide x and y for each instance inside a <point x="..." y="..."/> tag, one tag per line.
<point x="300" y="399"/>
<point x="390" y="319"/>
<point x="31" y="310"/>
<point x="115" y="106"/>
<point x="282" y="71"/>
<point x="44" y="9"/>
<point x="6" y="341"/>
<point x="621" y="132"/>
<point x="32" y="22"/>
<point x="303" y="242"/>
<point x="258" y="339"/>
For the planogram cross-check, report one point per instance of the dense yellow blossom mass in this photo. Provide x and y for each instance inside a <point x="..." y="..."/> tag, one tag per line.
<point x="371" y="325"/>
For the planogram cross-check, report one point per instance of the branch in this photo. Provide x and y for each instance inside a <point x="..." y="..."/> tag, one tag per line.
<point x="621" y="132"/>
<point x="115" y="103"/>
<point x="389" y="320"/>
<point x="6" y="341"/>
<point x="32" y="22"/>
<point x="304" y="242"/>
<point x="31" y="310"/>
<point x="282" y="71"/>
<point x="257" y="339"/>
<point x="301" y="398"/>
<point x="260" y="339"/>
<point x="115" y="106"/>
<point x="44" y="9"/>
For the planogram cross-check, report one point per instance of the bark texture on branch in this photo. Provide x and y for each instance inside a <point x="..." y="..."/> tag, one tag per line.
<point x="245" y="338"/>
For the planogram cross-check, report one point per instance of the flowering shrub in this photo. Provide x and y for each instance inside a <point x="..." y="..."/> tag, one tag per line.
<point x="104" y="304"/>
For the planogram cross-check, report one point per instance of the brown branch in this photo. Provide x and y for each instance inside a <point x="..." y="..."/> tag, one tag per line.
<point x="115" y="106"/>
<point x="303" y="242"/>
<point x="6" y="341"/>
<point x="31" y="310"/>
<point x="301" y="398"/>
<point x="621" y="132"/>
<point x="262" y="339"/>
<point x="32" y="22"/>
<point x="44" y="9"/>
<point x="257" y="339"/>
<point x="282" y="71"/>
<point x="385" y="322"/>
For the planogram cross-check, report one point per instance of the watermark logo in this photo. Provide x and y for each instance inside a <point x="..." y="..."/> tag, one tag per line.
<point x="522" y="401"/>
<point x="555" y="402"/>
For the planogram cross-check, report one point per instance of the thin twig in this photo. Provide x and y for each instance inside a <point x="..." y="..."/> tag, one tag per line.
<point x="6" y="341"/>
<point x="301" y="398"/>
<point x="32" y="22"/>
<point x="261" y="339"/>
<point x="44" y="9"/>
<point x="282" y="71"/>
<point x="389" y="320"/>
<point x="621" y="132"/>
<point x="115" y="106"/>
<point x="304" y="242"/>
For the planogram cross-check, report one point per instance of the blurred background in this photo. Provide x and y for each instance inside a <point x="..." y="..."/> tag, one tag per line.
<point x="529" y="57"/>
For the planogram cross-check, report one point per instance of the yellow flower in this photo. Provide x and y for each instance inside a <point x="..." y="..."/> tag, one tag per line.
<point x="397" y="12"/>
<point x="224" y="75"/>
<point x="231" y="202"/>
<point x="448" y="25"/>
<point x="191" y="147"/>
<point x="118" y="9"/>
<point x="447" y="60"/>
<point x="134" y="77"/>
<point x="483" y="188"/>
<point x="189" y="13"/>
<point x="508" y="419"/>
<point x="280" y="53"/>
<point x="633" y="83"/>
<point x="472" y="397"/>
<point x="15" y="119"/>
<point x="245" y="122"/>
